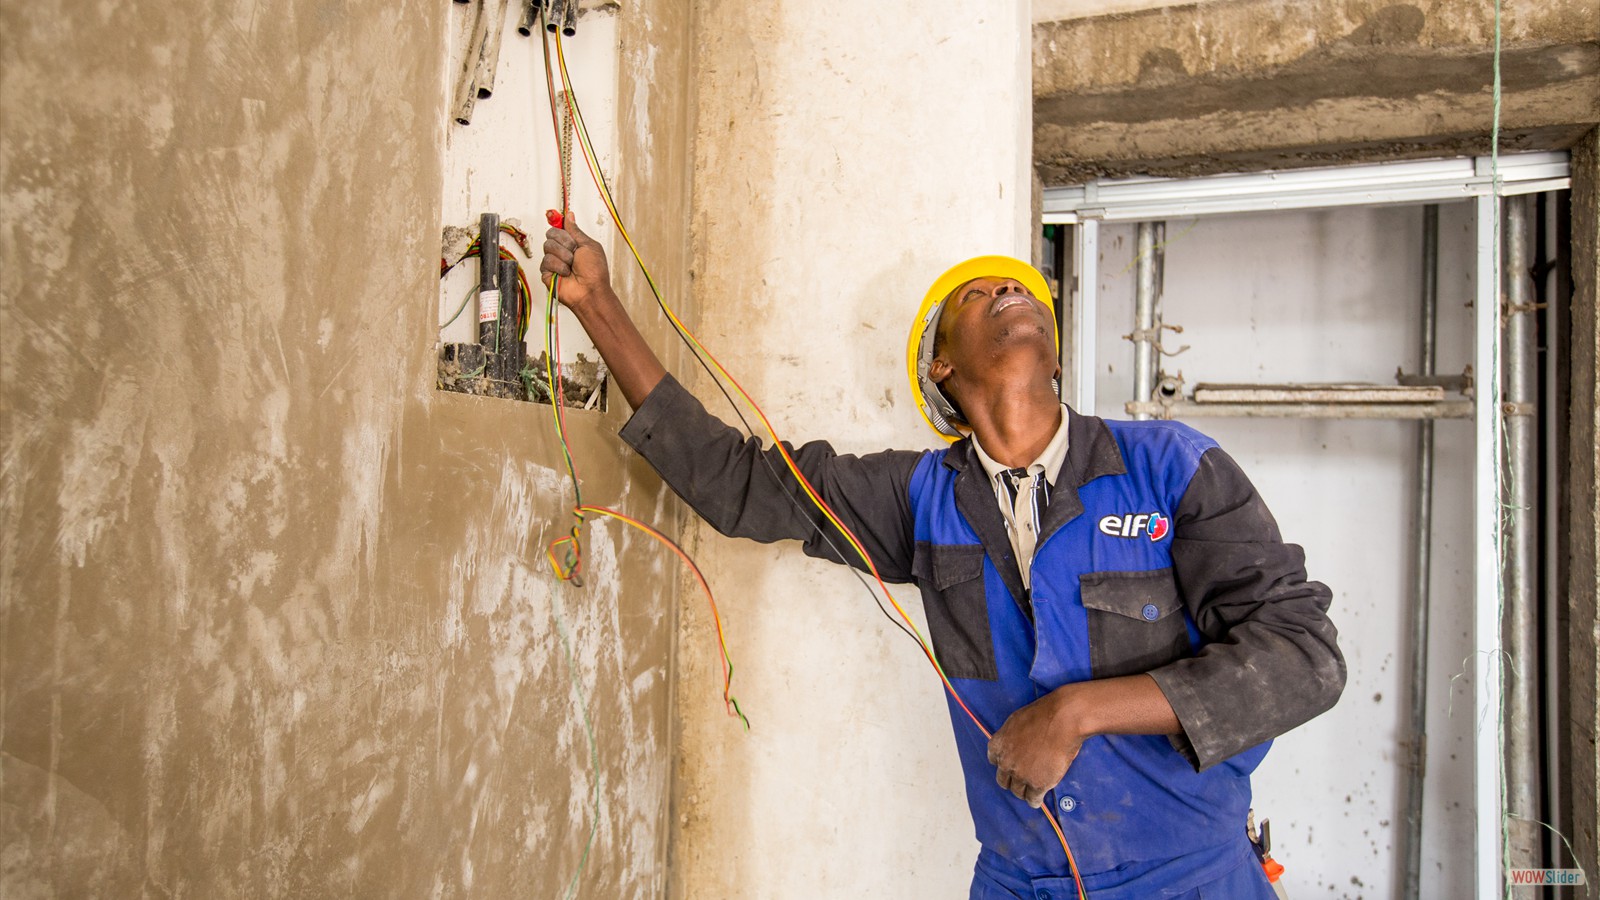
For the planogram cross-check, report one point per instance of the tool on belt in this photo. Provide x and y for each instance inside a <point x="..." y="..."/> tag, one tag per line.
<point x="1261" y="841"/>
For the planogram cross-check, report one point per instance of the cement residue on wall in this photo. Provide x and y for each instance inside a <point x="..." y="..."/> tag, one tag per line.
<point x="275" y="615"/>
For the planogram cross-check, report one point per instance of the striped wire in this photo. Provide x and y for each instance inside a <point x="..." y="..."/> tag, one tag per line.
<point x="592" y="162"/>
<point x="569" y="566"/>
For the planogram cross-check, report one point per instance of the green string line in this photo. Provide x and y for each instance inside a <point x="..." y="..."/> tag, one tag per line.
<point x="1498" y="673"/>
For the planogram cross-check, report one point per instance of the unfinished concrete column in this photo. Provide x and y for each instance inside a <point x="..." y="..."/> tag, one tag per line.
<point x="1583" y="636"/>
<point x="845" y="157"/>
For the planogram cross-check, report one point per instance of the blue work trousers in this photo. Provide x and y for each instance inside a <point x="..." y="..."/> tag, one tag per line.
<point x="1244" y="881"/>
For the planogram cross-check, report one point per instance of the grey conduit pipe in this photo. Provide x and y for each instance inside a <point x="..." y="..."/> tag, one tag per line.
<point x="1521" y="515"/>
<point x="1416" y="755"/>
<point x="489" y="58"/>
<point x="466" y="93"/>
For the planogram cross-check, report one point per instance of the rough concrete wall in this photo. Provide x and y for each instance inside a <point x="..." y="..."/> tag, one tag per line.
<point x="1242" y="84"/>
<point x="841" y="165"/>
<point x="653" y="189"/>
<point x="1583" y="579"/>
<point x="275" y="618"/>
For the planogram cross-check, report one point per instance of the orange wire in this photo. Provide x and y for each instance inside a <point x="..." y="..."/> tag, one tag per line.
<point x="572" y="570"/>
<point x="794" y="468"/>
<point x="731" y="704"/>
<point x="822" y="505"/>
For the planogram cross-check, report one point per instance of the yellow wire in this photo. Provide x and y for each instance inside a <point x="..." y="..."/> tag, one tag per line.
<point x="605" y="195"/>
<point x="616" y="216"/>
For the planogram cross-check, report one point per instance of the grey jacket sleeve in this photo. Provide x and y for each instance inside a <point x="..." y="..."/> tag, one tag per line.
<point x="1271" y="661"/>
<point x="743" y="490"/>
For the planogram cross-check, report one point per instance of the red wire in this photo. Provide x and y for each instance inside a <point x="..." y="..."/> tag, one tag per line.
<point x="811" y="491"/>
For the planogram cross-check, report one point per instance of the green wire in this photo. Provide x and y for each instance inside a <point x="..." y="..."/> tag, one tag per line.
<point x="460" y="309"/>
<point x="588" y="732"/>
<point x="555" y="605"/>
<point x="552" y="372"/>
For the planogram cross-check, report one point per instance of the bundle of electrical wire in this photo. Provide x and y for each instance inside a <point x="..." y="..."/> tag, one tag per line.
<point x="568" y="564"/>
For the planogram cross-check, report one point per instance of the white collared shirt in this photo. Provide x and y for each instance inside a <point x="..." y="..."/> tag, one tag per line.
<point x="1023" y="494"/>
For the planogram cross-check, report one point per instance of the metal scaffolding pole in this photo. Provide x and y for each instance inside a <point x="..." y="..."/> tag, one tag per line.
<point x="1521" y="485"/>
<point x="1550" y="293"/>
<point x="1416" y="755"/>
<point x="1144" y="314"/>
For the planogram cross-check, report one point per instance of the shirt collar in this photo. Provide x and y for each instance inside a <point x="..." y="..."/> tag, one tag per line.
<point x="1049" y="462"/>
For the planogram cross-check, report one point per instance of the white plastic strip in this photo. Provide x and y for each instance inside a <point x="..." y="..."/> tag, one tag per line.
<point x="1487" y="668"/>
<point x="1379" y="184"/>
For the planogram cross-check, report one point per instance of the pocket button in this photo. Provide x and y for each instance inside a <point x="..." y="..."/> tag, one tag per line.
<point x="1150" y="612"/>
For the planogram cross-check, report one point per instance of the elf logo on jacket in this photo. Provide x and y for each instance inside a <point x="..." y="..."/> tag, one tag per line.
<point x="1134" y="524"/>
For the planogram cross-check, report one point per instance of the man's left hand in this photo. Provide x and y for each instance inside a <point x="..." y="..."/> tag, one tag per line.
<point x="1032" y="750"/>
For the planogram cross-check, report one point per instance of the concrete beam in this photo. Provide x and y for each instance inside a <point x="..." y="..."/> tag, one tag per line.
<point x="1252" y="84"/>
<point x="1583" y="514"/>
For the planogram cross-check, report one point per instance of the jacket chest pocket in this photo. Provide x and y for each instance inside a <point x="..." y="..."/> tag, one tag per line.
<point x="951" y="579"/>
<point x="1135" y="621"/>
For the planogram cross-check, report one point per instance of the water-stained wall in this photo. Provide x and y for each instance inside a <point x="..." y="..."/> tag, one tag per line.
<point x="275" y="617"/>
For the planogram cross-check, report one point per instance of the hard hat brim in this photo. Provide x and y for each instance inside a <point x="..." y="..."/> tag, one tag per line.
<point x="935" y="407"/>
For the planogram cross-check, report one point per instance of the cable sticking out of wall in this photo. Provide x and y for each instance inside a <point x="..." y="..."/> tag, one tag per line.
<point x="566" y="553"/>
<point x="570" y="568"/>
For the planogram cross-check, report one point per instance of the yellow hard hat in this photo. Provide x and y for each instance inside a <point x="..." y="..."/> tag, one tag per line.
<point x="936" y="408"/>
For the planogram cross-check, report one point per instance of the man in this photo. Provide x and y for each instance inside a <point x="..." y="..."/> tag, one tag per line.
<point x="1115" y="593"/>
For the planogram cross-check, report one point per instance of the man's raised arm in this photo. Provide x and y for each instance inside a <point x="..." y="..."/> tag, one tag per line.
<point x="740" y="487"/>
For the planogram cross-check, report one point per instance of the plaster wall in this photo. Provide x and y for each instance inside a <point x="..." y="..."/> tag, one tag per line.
<point x="274" y="617"/>
<point x="1061" y="10"/>
<point x="1317" y="296"/>
<point x="508" y="162"/>
<point x="839" y="169"/>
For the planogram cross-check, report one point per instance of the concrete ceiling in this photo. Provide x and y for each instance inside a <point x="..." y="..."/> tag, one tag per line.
<point x="1253" y="84"/>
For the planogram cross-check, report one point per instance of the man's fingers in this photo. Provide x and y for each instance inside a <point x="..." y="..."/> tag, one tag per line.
<point x="556" y="264"/>
<point x="1011" y="782"/>
<point x="1003" y="777"/>
<point x="1018" y="786"/>
<point x="1007" y="778"/>
<point x="571" y="225"/>
<point x="555" y="237"/>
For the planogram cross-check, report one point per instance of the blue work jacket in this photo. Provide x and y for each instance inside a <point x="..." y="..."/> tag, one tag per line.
<point x="1103" y="602"/>
<point x="1155" y="555"/>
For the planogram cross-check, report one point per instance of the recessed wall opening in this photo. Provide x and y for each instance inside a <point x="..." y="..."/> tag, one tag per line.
<point x="505" y="154"/>
<point x="1389" y="373"/>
